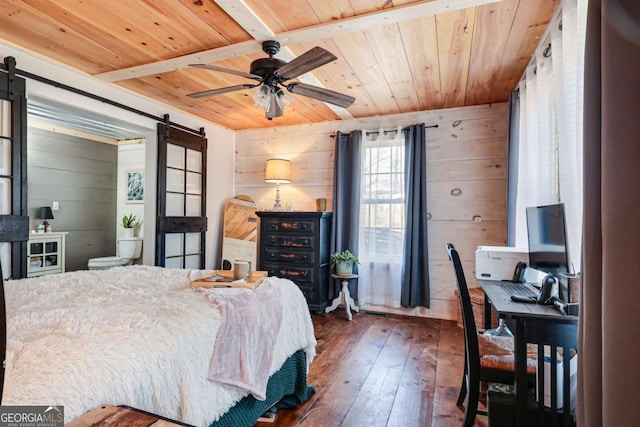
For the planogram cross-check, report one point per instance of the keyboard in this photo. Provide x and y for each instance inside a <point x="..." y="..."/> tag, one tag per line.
<point x="521" y="289"/>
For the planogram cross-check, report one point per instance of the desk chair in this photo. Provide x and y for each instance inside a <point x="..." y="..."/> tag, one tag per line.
<point x="487" y="358"/>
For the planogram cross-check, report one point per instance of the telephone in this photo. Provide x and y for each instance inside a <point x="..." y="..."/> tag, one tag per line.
<point x="518" y="274"/>
<point x="547" y="291"/>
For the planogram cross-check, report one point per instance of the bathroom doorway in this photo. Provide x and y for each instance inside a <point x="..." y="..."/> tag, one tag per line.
<point x="79" y="164"/>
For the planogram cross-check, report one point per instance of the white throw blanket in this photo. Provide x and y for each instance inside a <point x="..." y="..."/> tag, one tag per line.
<point x="245" y="345"/>
<point x="137" y="335"/>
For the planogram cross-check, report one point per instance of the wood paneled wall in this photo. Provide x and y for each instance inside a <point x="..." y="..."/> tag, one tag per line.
<point x="80" y="174"/>
<point x="467" y="180"/>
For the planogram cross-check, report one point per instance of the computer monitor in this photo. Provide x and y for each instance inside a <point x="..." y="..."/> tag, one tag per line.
<point x="547" y="232"/>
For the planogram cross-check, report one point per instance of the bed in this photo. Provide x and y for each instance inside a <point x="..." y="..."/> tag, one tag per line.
<point x="141" y="336"/>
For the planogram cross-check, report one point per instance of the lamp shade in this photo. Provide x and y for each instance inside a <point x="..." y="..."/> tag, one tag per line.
<point x="278" y="171"/>
<point x="45" y="213"/>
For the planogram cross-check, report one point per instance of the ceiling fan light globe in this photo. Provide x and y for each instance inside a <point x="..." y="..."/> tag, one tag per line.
<point x="262" y="97"/>
<point x="283" y="99"/>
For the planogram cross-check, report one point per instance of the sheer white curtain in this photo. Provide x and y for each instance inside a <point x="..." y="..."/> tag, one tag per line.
<point x="5" y="181"/>
<point x="382" y="213"/>
<point x="537" y="179"/>
<point x="569" y="46"/>
<point x="551" y="93"/>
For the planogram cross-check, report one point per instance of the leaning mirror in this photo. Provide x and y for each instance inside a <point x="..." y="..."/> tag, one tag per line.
<point x="240" y="232"/>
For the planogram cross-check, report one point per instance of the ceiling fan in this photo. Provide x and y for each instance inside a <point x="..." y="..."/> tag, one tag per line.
<point x="272" y="73"/>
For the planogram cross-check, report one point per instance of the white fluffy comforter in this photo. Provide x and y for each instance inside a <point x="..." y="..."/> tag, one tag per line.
<point x="137" y="336"/>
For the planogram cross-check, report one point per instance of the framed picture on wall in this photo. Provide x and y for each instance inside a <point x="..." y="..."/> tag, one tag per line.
<point x="135" y="186"/>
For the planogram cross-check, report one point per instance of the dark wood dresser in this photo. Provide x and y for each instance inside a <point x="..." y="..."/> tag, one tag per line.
<point x="295" y="246"/>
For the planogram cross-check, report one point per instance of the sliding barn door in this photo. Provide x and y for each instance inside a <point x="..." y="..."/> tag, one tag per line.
<point x="14" y="221"/>
<point x="182" y="221"/>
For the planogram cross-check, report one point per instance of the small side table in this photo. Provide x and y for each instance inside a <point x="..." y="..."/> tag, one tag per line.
<point x="344" y="297"/>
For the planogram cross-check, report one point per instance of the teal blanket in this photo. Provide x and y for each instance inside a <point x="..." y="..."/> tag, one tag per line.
<point x="287" y="388"/>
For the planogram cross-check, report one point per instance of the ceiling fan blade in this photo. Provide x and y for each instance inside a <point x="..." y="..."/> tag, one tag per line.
<point x="306" y="62"/>
<point x="321" y="94"/>
<point x="227" y="70"/>
<point x="220" y="91"/>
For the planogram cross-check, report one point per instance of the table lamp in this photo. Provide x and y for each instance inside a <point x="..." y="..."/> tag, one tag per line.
<point x="45" y="214"/>
<point x="278" y="171"/>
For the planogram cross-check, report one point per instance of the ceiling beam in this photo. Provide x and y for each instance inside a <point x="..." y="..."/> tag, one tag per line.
<point x="240" y="12"/>
<point x="303" y="35"/>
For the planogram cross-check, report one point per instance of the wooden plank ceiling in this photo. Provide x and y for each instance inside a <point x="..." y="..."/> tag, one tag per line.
<point x="393" y="56"/>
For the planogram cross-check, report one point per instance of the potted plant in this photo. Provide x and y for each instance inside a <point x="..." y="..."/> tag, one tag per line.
<point x="344" y="262"/>
<point x="129" y="222"/>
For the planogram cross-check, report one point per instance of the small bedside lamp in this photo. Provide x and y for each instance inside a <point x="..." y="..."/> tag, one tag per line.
<point x="45" y="213"/>
<point x="278" y="171"/>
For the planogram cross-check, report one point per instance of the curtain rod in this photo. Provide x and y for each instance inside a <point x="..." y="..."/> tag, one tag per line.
<point x="63" y="86"/>
<point x="384" y="131"/>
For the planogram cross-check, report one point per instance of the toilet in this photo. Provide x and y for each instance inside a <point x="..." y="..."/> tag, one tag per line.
<point x="129" y="249"/>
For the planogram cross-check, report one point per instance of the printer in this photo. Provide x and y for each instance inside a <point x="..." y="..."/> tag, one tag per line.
<point x="498" y="262"/>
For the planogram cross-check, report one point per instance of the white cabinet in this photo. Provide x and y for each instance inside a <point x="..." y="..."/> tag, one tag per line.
<point x="45" y="253"/>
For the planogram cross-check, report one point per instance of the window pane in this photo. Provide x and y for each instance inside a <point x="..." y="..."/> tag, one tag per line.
<point x="384" y="159"/>
<point x="366" y="187"/>
<point x="366" y="162"/>
<point x="383" y="241"/>
<point x="5" y="196"/>
<point x="5" y="157"/>
<point x="173" y="262"/>
<point x="397" y="215"/>
<point x="175" y="156"/>
<point x="382" y="215"/>
<point x="194" y="160"/>
<point x="5" y="118"/>
<point x="193" y="206"/>
<point x="175" y="180"/>
<point x="397" y="187"/>
<point x="382" y="187"/>
<point x="192" y="243"/>
<point x="192" y="261"/>
<point x="175" y="204"/>
<point x="5" y="257"/>
<point x="194" y="183"/>
<point x="173" y="244"/>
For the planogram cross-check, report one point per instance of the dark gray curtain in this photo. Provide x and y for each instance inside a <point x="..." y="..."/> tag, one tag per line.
<point x="514" y="152"/>
<point x="415" y="266"/>
<point x="609" y="372"/>
<point x="346" y="199"/>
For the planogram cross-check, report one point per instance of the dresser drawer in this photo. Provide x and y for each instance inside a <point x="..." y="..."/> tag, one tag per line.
<point x="309" y="293"/>
<point x="280" y="255"/>
<point x="294" y="273"/>
<point x="300" y="226"/>
<point x="285" y="241"/>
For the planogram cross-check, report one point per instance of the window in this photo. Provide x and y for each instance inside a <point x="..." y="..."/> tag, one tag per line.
<point x="382" y="217"/>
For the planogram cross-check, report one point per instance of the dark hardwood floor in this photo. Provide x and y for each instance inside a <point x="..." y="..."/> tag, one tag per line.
<point x="382" y="370"/>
